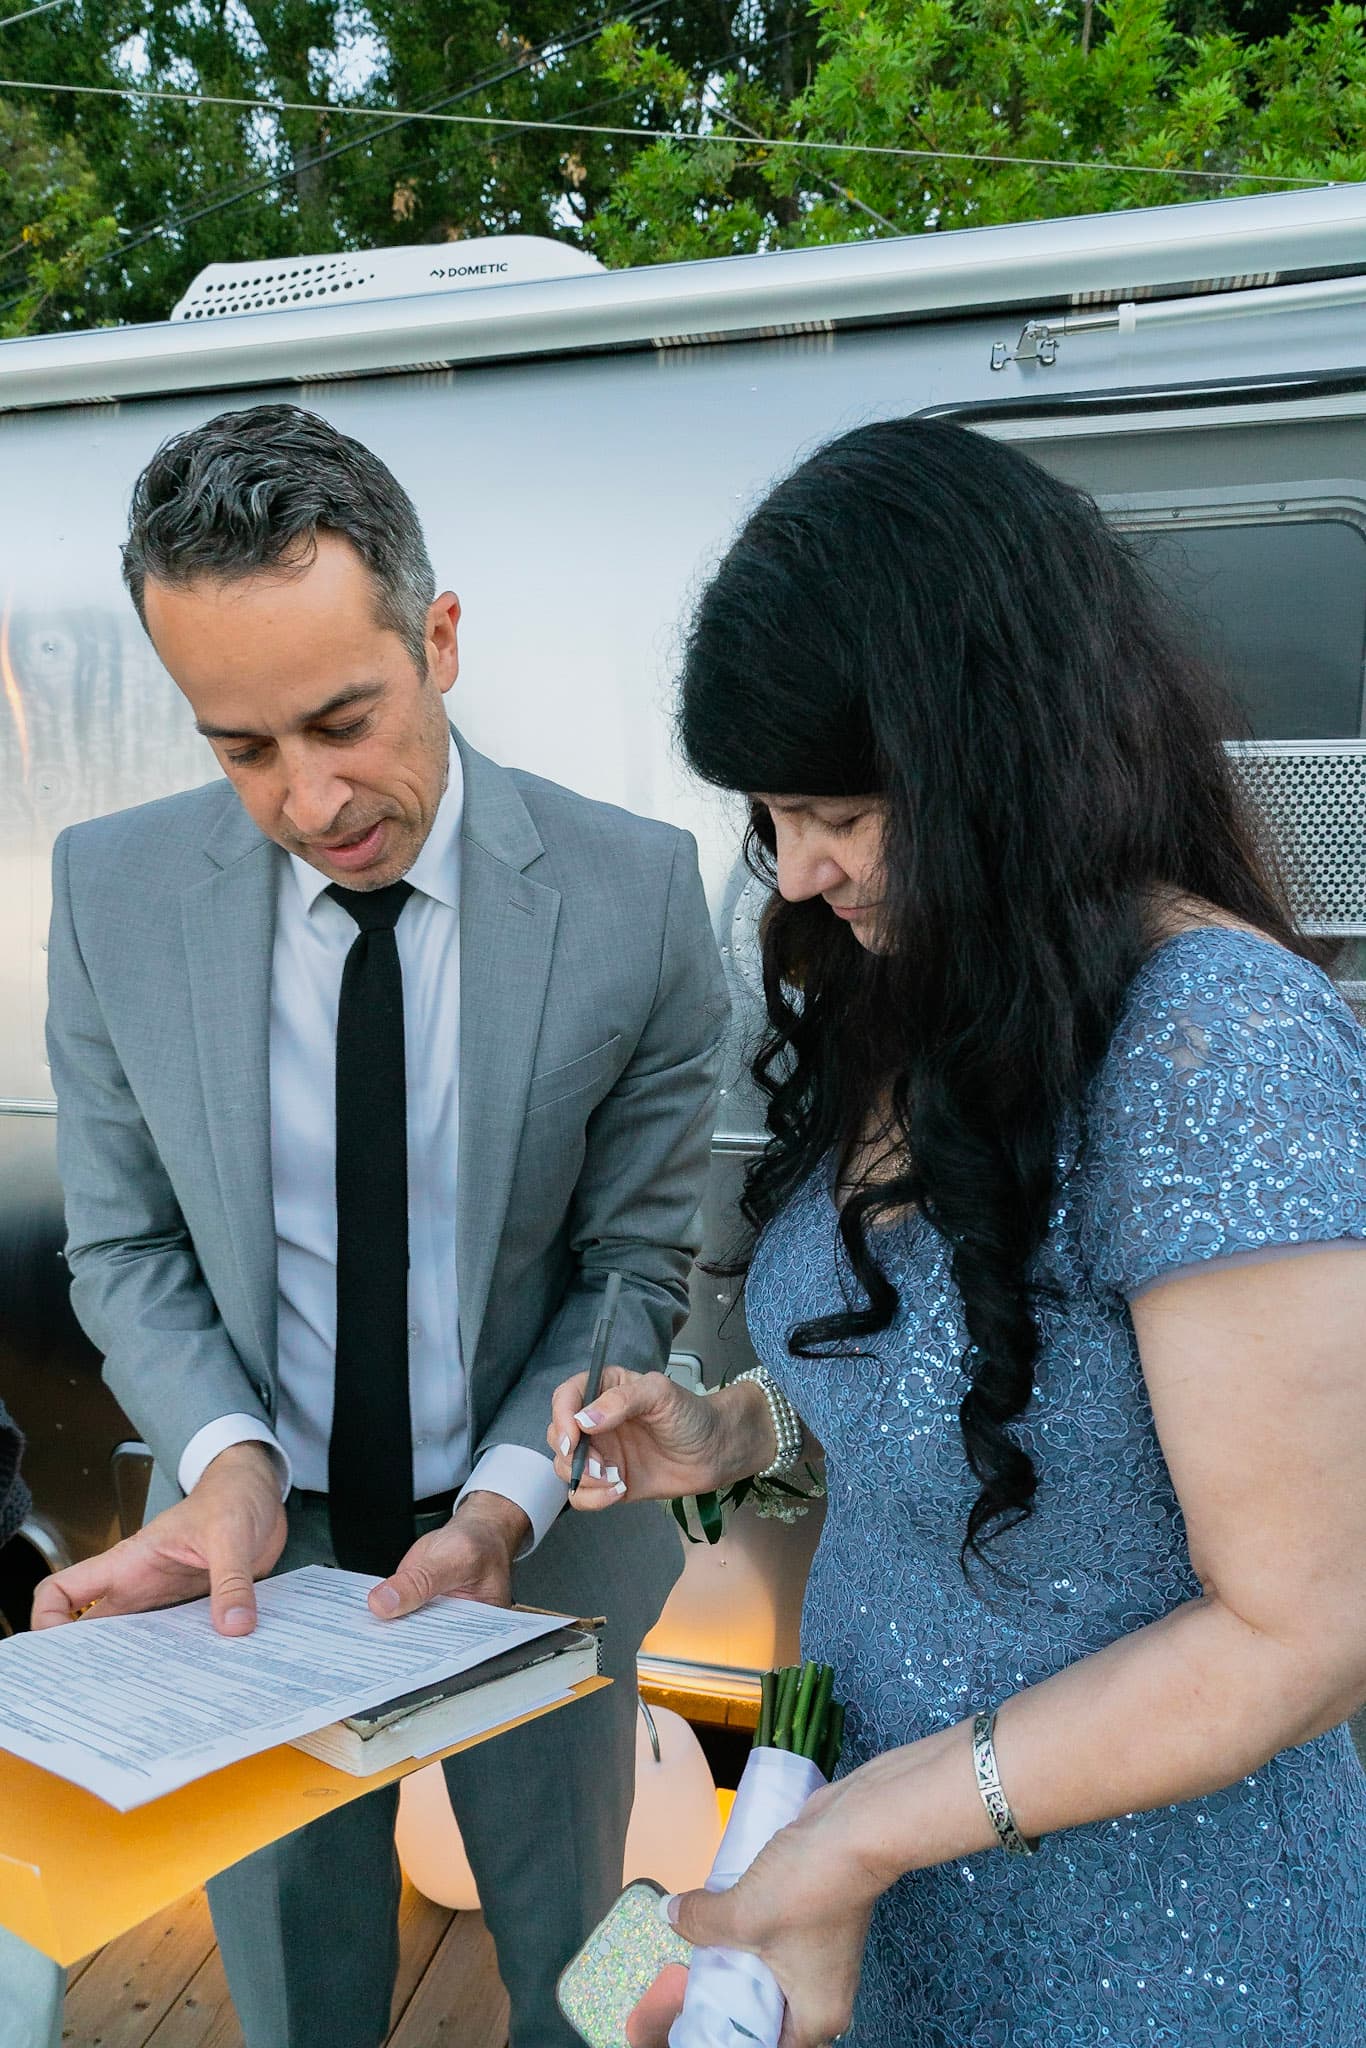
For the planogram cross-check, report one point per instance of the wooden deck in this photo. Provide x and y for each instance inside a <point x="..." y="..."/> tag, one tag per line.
<point x="162" y="1986"/>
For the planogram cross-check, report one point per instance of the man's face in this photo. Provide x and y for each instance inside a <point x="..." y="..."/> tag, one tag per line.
<point x="334" y="742"/>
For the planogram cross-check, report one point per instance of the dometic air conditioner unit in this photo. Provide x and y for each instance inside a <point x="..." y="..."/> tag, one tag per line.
<point x="289" y="281"/>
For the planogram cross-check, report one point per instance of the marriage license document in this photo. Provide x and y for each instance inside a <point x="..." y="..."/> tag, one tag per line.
<point x="134" y="1706"/>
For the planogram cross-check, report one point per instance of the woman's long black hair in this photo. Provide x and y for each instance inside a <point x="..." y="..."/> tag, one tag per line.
<point x="921" y="613"/>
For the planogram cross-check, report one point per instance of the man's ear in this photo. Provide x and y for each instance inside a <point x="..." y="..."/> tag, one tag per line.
<point x="443" y="639"/>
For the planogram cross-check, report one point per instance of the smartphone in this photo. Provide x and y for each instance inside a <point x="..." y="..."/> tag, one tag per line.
<point x="618" y="1963"/>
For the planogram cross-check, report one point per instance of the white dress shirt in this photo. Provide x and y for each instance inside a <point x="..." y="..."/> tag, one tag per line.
<point x="313" y="935"/>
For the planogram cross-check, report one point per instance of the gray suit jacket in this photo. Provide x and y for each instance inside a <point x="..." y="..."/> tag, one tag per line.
<point x="592" y="1006"/>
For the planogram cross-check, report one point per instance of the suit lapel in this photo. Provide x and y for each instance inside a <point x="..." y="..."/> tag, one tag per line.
<point x="229" y="925"/>
<point x="507" y="937"/>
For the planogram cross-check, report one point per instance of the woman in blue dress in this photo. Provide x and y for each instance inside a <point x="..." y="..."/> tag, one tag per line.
<point x="1057" y="1249"/>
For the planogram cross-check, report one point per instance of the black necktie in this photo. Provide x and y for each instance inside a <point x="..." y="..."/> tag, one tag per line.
<point x="370" y="1461"/>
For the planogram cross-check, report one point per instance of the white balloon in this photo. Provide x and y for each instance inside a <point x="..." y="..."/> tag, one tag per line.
<point x="675" y="1822"/>
<point x="429" y="1845"/>
<point x="674" y="1832"/>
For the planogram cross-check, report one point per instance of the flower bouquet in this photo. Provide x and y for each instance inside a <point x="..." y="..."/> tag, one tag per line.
<point x="733" y="1999"/>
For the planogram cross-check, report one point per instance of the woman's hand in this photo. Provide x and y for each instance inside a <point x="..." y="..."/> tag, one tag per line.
<point x="803" y="1907"/>
<point x="655" y="1440"/>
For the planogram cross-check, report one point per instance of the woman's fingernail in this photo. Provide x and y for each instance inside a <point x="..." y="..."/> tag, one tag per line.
<point x="565" y="1446"/>
<point x="669" y="1909"/>
<point x="612" y="1473"/>
<point x="620" y="1487"/>
<point x="595" y="1468"/>
<point x="587" y="1418"/>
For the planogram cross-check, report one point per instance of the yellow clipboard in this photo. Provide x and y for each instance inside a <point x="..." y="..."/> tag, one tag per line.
<point x="74" y="1873"/>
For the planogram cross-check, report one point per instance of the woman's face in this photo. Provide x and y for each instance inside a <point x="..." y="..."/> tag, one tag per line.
<point x="831" y="847"/>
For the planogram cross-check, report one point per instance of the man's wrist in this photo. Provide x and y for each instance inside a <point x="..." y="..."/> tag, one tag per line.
<point x="249" y="1456"/>
<point x="501" y="1516"/>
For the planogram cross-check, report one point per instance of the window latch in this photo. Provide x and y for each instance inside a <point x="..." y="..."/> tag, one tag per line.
<point x="1038" y="342"/>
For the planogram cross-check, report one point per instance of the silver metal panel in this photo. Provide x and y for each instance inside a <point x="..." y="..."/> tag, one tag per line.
<point x="574" y="505"/>
<point x="1169" y="250"/>
<point x="604" y="485"/>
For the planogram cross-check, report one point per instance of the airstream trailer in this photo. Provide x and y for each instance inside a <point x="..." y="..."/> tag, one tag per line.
<point x="579" y="444"/>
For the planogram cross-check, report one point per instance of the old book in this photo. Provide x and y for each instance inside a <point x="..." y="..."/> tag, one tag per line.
<point x="451" y="1710"/>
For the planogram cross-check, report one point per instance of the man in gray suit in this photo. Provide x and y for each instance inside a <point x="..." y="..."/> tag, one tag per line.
<point x="371" y="1062"/>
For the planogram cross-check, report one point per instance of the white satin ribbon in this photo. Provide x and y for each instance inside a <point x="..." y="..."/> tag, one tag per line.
<point x="733" y="2000"/>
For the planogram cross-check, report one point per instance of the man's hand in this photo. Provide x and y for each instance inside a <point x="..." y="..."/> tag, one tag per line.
<point x="219" y="1540"/>
<point x="471" y="1557"/>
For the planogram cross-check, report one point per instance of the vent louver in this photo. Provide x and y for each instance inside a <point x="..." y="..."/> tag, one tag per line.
<point x="289" y="283"/>
<point x="259" y="288"/>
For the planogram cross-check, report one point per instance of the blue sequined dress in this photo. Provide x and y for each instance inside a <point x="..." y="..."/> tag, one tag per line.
<point x="1229" y="1116"/>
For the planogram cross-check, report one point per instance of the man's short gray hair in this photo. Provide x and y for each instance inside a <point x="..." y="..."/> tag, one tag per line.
<point x="252" y="490"/>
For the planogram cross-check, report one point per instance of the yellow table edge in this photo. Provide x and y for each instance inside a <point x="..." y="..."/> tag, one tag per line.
<point x="74" y="1873"/>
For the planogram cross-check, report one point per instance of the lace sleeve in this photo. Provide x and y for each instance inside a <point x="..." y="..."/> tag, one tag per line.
<point x="1229" y="1117"/>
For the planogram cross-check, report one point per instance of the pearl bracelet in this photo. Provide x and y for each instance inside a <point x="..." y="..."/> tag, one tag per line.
<point x="788" y="1432"/>
<point x="989" y="1785"/>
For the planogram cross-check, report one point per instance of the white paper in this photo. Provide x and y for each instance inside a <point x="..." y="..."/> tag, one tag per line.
<point x="732" y="1999"/>
<point x="132" y="1706"/>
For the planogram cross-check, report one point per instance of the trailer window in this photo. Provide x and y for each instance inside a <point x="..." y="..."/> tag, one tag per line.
<point x="1280" y="606"/>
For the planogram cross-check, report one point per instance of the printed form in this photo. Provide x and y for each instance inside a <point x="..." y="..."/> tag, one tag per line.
<point x="133" y="1706"/>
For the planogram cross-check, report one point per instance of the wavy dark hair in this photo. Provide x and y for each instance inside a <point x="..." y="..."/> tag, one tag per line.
<point x="923" y="614"/>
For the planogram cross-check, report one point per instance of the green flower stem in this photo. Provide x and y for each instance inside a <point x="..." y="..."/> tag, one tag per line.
<point x="818" y="1724"/>
<point x="768" y="1689"/>
<point x="782" y="1713"/>
<point x="834" y="1741"/>
<point x="801" y="1713"/>
<point x="798" y="1712"/>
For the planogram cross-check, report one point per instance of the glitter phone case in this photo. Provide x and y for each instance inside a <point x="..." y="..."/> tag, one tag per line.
<point x="618" y="1963"/>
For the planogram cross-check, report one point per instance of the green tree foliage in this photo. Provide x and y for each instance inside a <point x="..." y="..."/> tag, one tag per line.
<point x="548" y="64"/>
<point x="193" y="184"/>
<point x="110" y="205"/>
<point x="52" y="227"/>
<point x="1120" y="94"/>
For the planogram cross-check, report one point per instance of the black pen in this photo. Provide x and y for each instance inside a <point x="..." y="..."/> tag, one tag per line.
<point x="602" y="1337"/>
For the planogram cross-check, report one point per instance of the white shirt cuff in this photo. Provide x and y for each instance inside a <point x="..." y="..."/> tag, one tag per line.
<point x="204" y="1446"/>
<point x="525" y="1478"/>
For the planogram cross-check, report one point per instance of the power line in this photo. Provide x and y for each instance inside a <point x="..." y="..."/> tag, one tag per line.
<point x="558" y="42"/>
<point x="830" y="184"/>
<point x="219" y="202"/>
<point x="872" y="149"/>
<point x="29" y="12"/>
